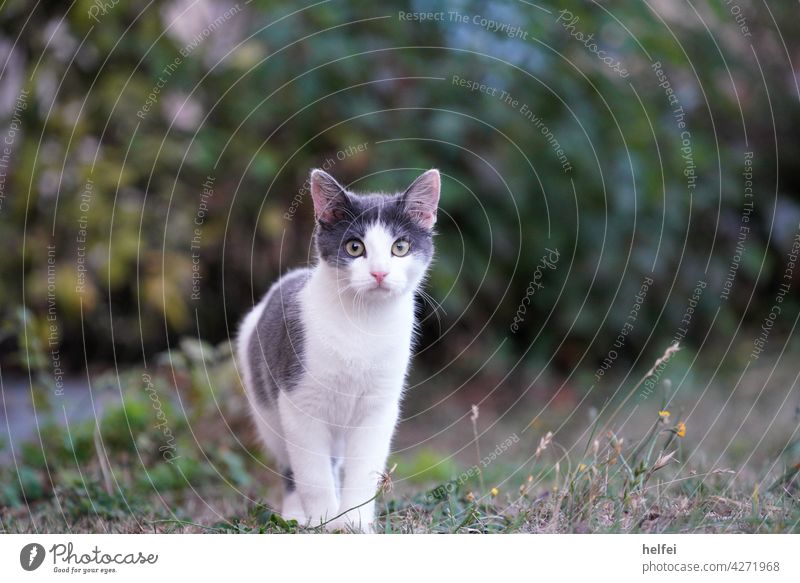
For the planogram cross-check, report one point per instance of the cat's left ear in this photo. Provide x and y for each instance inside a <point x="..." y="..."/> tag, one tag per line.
<point x="421" y="199"/>
<point x="330" y="199"/>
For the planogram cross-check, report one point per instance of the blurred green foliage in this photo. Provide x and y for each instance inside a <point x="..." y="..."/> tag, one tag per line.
<point x="276" y="89"/>
<point x="141" y="441"/>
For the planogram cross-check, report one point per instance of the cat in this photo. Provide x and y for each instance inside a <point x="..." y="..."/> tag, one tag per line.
<point x="324" y="355"/>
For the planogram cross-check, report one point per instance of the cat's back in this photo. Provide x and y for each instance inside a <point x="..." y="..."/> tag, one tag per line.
<point x="271" y="341"/>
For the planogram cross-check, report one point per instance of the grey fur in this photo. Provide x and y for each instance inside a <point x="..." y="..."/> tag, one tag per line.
<point x="336" y="468"/>
<point x="277" y="345"/>
<point x="288" y="480"/>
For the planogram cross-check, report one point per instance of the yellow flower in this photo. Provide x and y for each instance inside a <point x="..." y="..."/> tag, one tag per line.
<point x="495" y="492"/>
<point x="664" y="415"/>
<point x="680" y="429"/>
<point x="470" y="496"/>
<point x="581" y="467"/>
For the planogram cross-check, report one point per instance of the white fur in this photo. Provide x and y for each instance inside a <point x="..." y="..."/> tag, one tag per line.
<point x="358" y="338"/>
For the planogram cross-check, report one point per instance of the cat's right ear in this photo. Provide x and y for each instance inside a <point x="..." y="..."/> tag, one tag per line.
<point x="330" y="199"/>
<point x="422" y="198"/>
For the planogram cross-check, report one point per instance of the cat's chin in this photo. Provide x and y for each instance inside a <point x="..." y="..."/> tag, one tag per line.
<point x="378" y="293"/>
<point x="381" y="292"/>
<point x="384" y="295"/>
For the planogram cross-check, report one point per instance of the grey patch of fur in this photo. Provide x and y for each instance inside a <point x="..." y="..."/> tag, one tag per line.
<point x="278" y="341"/>
<point x="288" y="480"/>
<point x="336" y="468"/>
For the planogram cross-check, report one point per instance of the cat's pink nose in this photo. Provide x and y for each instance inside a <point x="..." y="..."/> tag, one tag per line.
<point x="379" y="275"/>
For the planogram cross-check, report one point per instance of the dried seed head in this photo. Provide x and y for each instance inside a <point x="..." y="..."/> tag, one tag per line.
<point x="672" y="349"/>
<point x="385" y="481"/>
<point x="663" y="460"/>
<point x="544" y="442"/>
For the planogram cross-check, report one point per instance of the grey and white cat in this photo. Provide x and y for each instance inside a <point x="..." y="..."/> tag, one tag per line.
<point x="324" y="354"/>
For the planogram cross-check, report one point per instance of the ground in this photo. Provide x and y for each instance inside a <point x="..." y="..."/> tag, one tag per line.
<point x="154" y="462"/>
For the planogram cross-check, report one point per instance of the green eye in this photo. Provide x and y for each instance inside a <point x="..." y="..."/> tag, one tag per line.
<point x="354" y="248"/>
<point x="401" y="247"/>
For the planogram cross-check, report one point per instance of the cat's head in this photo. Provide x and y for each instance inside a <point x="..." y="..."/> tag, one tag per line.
<point x="378" y="245"/>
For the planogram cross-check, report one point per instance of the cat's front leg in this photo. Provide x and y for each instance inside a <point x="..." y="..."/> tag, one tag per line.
<point x="367" y="447"/>
<point x="309" y="445"/>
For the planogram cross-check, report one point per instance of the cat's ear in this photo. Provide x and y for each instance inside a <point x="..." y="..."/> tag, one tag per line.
<point x="330" y="199"/>
<point x="422" y="198"/>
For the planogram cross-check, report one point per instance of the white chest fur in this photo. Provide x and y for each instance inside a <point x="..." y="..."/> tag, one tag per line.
<point x="356" y="354"/>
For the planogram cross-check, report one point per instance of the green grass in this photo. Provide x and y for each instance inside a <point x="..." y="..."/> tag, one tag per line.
<point x="109" y="476"/>
<point x="589" y="500"/>
<point x="611" y="488"/>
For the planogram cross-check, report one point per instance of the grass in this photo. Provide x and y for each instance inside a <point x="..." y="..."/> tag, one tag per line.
<point x="600" y="496"/>
<point x="110" y="475"/>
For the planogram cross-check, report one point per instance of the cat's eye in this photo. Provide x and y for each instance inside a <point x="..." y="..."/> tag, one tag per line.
<point x="354" y="248"/>
<point x="401" y="247"/>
